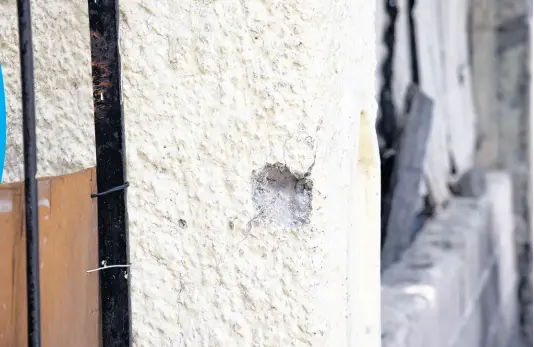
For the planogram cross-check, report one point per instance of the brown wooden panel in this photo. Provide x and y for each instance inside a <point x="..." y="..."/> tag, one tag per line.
<point x="13" y="325"/>
<point x="68" y="248"/>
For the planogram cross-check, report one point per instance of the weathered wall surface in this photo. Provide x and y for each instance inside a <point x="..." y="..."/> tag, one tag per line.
<point x="504" y="128"/>
<point x="456" y="286"/>
<point x="253" y="218"/>
<point x="421" y="300"/>
<point x="215" y="92"/>
<point x="501" y="47"/>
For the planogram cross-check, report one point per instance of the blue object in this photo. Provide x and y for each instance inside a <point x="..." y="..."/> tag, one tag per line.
<point x="2" y="124"/>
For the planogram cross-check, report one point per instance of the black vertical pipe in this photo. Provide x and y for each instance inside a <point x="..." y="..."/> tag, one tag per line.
<point x="111" y="172"/>
<point x="30" y="171"/>
<point x="387" y="122"/>
<point x="414" y="61"/>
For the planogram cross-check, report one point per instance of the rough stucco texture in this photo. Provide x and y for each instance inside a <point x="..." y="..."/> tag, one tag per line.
<point x="214" y="91"/>
<point x="216" y="94"/>
<point x="62" y="56"/>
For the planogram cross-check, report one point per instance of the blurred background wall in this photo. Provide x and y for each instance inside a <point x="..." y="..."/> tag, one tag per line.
<point x="472" y="60"/>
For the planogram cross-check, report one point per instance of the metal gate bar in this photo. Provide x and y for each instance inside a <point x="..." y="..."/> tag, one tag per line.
<point x="111" y="173"/>
<point x="30" y="171"/>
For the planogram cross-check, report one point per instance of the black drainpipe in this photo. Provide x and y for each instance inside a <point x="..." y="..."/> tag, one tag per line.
<point x="111" y="174"/>
<point x="413" y="44"/>
<point x="30" y="172"/>
<point x="387" y="122"/>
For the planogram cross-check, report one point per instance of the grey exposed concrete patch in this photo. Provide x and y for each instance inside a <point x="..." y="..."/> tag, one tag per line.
<point x="281" y="196"/>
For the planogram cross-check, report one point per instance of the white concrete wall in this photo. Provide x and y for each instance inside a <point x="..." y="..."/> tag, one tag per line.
<point x="214" y="93"/>
<point x="62" y="59"/>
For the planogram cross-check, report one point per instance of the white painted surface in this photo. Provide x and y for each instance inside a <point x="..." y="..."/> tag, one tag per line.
<point x="432" y="81"/>
<point x="214" y="90"/>
<point x="441" y="32"/>
<point x="402" y="67"/>
<point x="458" y="95"/>
<point x="65" y="127"/>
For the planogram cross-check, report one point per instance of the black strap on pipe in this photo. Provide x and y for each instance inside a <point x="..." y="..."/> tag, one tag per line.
<point x="30" y="171"/>
<point x="110" y="172"/>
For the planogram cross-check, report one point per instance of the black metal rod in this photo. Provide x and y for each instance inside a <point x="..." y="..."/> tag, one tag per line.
<point x="30" y="171"/>
<point x="416" y="77"/>
<point x="110" y="173"/>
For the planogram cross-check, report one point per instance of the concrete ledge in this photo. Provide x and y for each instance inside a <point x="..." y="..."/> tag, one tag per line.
<point x="456" y="285"/>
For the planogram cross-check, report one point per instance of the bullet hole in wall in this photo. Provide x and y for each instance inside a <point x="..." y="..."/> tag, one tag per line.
<point x="282" y="197"/>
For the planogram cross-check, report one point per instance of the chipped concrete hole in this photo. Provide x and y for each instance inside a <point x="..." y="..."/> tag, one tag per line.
<point x="282" y="197"/>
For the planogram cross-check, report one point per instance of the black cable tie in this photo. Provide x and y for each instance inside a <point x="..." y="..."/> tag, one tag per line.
<point x="114" y="189"/>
